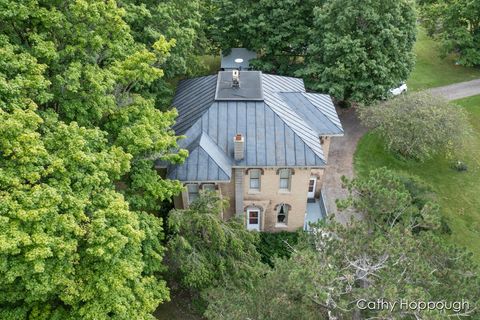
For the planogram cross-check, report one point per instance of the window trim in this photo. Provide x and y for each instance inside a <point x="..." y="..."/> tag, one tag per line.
<point x="289" y="180"/>
<point x="189" y="200"/>
<point x="259" y="180"/>
<point x="259" y="217"/>
<point x="287" y="209"/>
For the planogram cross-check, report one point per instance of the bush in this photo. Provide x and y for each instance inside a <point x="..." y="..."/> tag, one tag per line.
<point x="272" y="245"/>
<point x="418" y="126"/>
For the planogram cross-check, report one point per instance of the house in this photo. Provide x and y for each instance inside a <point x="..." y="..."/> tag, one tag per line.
<point x="258" y="139"/>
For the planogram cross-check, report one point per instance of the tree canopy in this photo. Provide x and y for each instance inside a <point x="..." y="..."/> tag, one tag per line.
<point x="339" y="266"/>
<point x="456" y="25"/>
<point x="352" y="50"/>
<point x="418" y="125"/>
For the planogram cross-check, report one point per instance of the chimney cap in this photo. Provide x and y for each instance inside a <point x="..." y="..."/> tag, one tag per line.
<point x="238" y="137"/>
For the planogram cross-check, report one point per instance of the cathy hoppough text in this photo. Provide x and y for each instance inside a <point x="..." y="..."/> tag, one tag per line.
<point x="403" y="304"/>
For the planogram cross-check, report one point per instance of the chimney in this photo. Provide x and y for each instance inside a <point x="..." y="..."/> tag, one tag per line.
<point x="235" y="79"/>
<point x="238" y="147"/>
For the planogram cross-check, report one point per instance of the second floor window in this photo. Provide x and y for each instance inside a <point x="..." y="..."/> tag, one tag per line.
<point x="255" y="179"/>
<point x="285" y="179"/>
<point x="192" y="192"/>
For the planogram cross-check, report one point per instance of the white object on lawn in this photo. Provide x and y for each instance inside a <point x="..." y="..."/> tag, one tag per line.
<point x="398" y="91"/>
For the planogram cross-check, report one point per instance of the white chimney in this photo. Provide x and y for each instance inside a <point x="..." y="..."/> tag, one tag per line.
<point x="235" y="79"/>
<point x="238" y="147"/>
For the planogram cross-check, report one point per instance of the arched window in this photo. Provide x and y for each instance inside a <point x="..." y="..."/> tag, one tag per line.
<point x="282" y="213"/>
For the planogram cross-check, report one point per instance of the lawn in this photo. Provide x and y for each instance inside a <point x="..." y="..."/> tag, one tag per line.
<point x="433" y="71"/>
<point x="458" y="192"/>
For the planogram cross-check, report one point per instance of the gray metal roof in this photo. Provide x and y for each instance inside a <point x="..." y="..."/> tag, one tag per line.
<point x="206" y="162"/>
<point x="250" y="86"/>
<point x="282" y="130"/>
<point x="228" y="61"/>
<point x="314" y="116"/>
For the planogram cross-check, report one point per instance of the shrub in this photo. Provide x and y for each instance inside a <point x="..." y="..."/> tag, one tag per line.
<point x="278" y="244"/>
<point x="418" y="125"/>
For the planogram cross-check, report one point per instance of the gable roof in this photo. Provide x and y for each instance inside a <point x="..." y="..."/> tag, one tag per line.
<point x="282" y="130"/>
<point x="206" y="162"/>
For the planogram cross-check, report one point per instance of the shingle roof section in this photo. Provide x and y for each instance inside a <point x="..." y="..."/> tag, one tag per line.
<point x="206" y="162"/>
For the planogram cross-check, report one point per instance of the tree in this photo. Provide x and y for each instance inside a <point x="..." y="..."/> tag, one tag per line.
<point x="97" y="75"/>
<point x="330" y="275"/>
<point x="70" y="248"/>
<point x="278" y="30"/>
<point x="384" y="200"/>
<point x="205" y="250"/>
<point x="418" y="125"/>
<point x="181" y="20"/>
<point x="360" y="50"/>
<point x="348" y="265"/>
<point x="456" y="25"/>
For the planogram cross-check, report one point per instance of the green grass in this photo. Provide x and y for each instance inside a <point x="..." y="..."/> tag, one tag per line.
<point x="433" y="71"/>
<point x="458" y="192"/>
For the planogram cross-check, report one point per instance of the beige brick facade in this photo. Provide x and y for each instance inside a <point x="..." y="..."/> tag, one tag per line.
<point x="270" y="196"/>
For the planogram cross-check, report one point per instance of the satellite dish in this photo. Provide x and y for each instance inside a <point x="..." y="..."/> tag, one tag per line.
<point x="238" y="60"/>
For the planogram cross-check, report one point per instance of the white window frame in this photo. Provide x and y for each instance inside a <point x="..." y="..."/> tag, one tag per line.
<point x="259" y="215"/>
<point x="189" y="198"/>
<point x="259" y="178"/>
<point x="311" y="194"/>
<point x="288" y="179"/>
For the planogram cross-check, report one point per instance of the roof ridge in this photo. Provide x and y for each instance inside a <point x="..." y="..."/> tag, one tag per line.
<point x="305" y="94"/>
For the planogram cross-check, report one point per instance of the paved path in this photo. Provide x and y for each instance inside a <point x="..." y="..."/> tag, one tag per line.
<point x="340" y="158"/>
<point x="340" y="162"/>
<point x="458" y="90"/>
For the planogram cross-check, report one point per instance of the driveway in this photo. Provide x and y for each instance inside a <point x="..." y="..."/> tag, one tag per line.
<point x="342" y="149"/>
<point x="340" y="162"/>
<point x="458" y="90"/>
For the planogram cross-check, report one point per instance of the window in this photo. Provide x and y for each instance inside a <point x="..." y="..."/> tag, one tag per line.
<point x="209" y="187"/>
<point x="253" y="219"/>
<point x="282" y="214"/>
<point x="255" y="179"/>
<point x="285" y="178"/>
<point x="192" y="192"/>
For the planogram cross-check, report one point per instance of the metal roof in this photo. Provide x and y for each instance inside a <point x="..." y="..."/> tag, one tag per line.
<point x="250" y="87"/>
<point x="206" y="162"/>
<point x="282" y="130"/>
<point x="314" y="116"/>
<point x="228" y="61"/>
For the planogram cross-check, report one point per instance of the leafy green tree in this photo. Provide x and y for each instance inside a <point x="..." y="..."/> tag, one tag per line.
<point x="346" y="265"/>
<point x="97" y="75"/>
<point x="419" y="125"/>
<point x="278" y="30"/>
<point x="205" y="250"/>
<point x="456" y="25"/>
<point x="181" y="20"/>
<point x="385" y="200"/>
<point x="360" y="50"/>
<point x="70" y="248"/>
<point x="339" y="266"/>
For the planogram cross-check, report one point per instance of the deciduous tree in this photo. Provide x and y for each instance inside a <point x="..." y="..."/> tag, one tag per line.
<point x="418" y="125"/>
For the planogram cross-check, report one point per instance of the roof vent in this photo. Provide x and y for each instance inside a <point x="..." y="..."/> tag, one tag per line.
<point x="235" y="79"/>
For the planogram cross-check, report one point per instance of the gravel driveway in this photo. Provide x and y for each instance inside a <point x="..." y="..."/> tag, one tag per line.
<point x="340" y="157"/>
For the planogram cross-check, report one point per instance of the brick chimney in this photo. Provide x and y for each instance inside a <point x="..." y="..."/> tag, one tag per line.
<point x="238" y="147"/>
